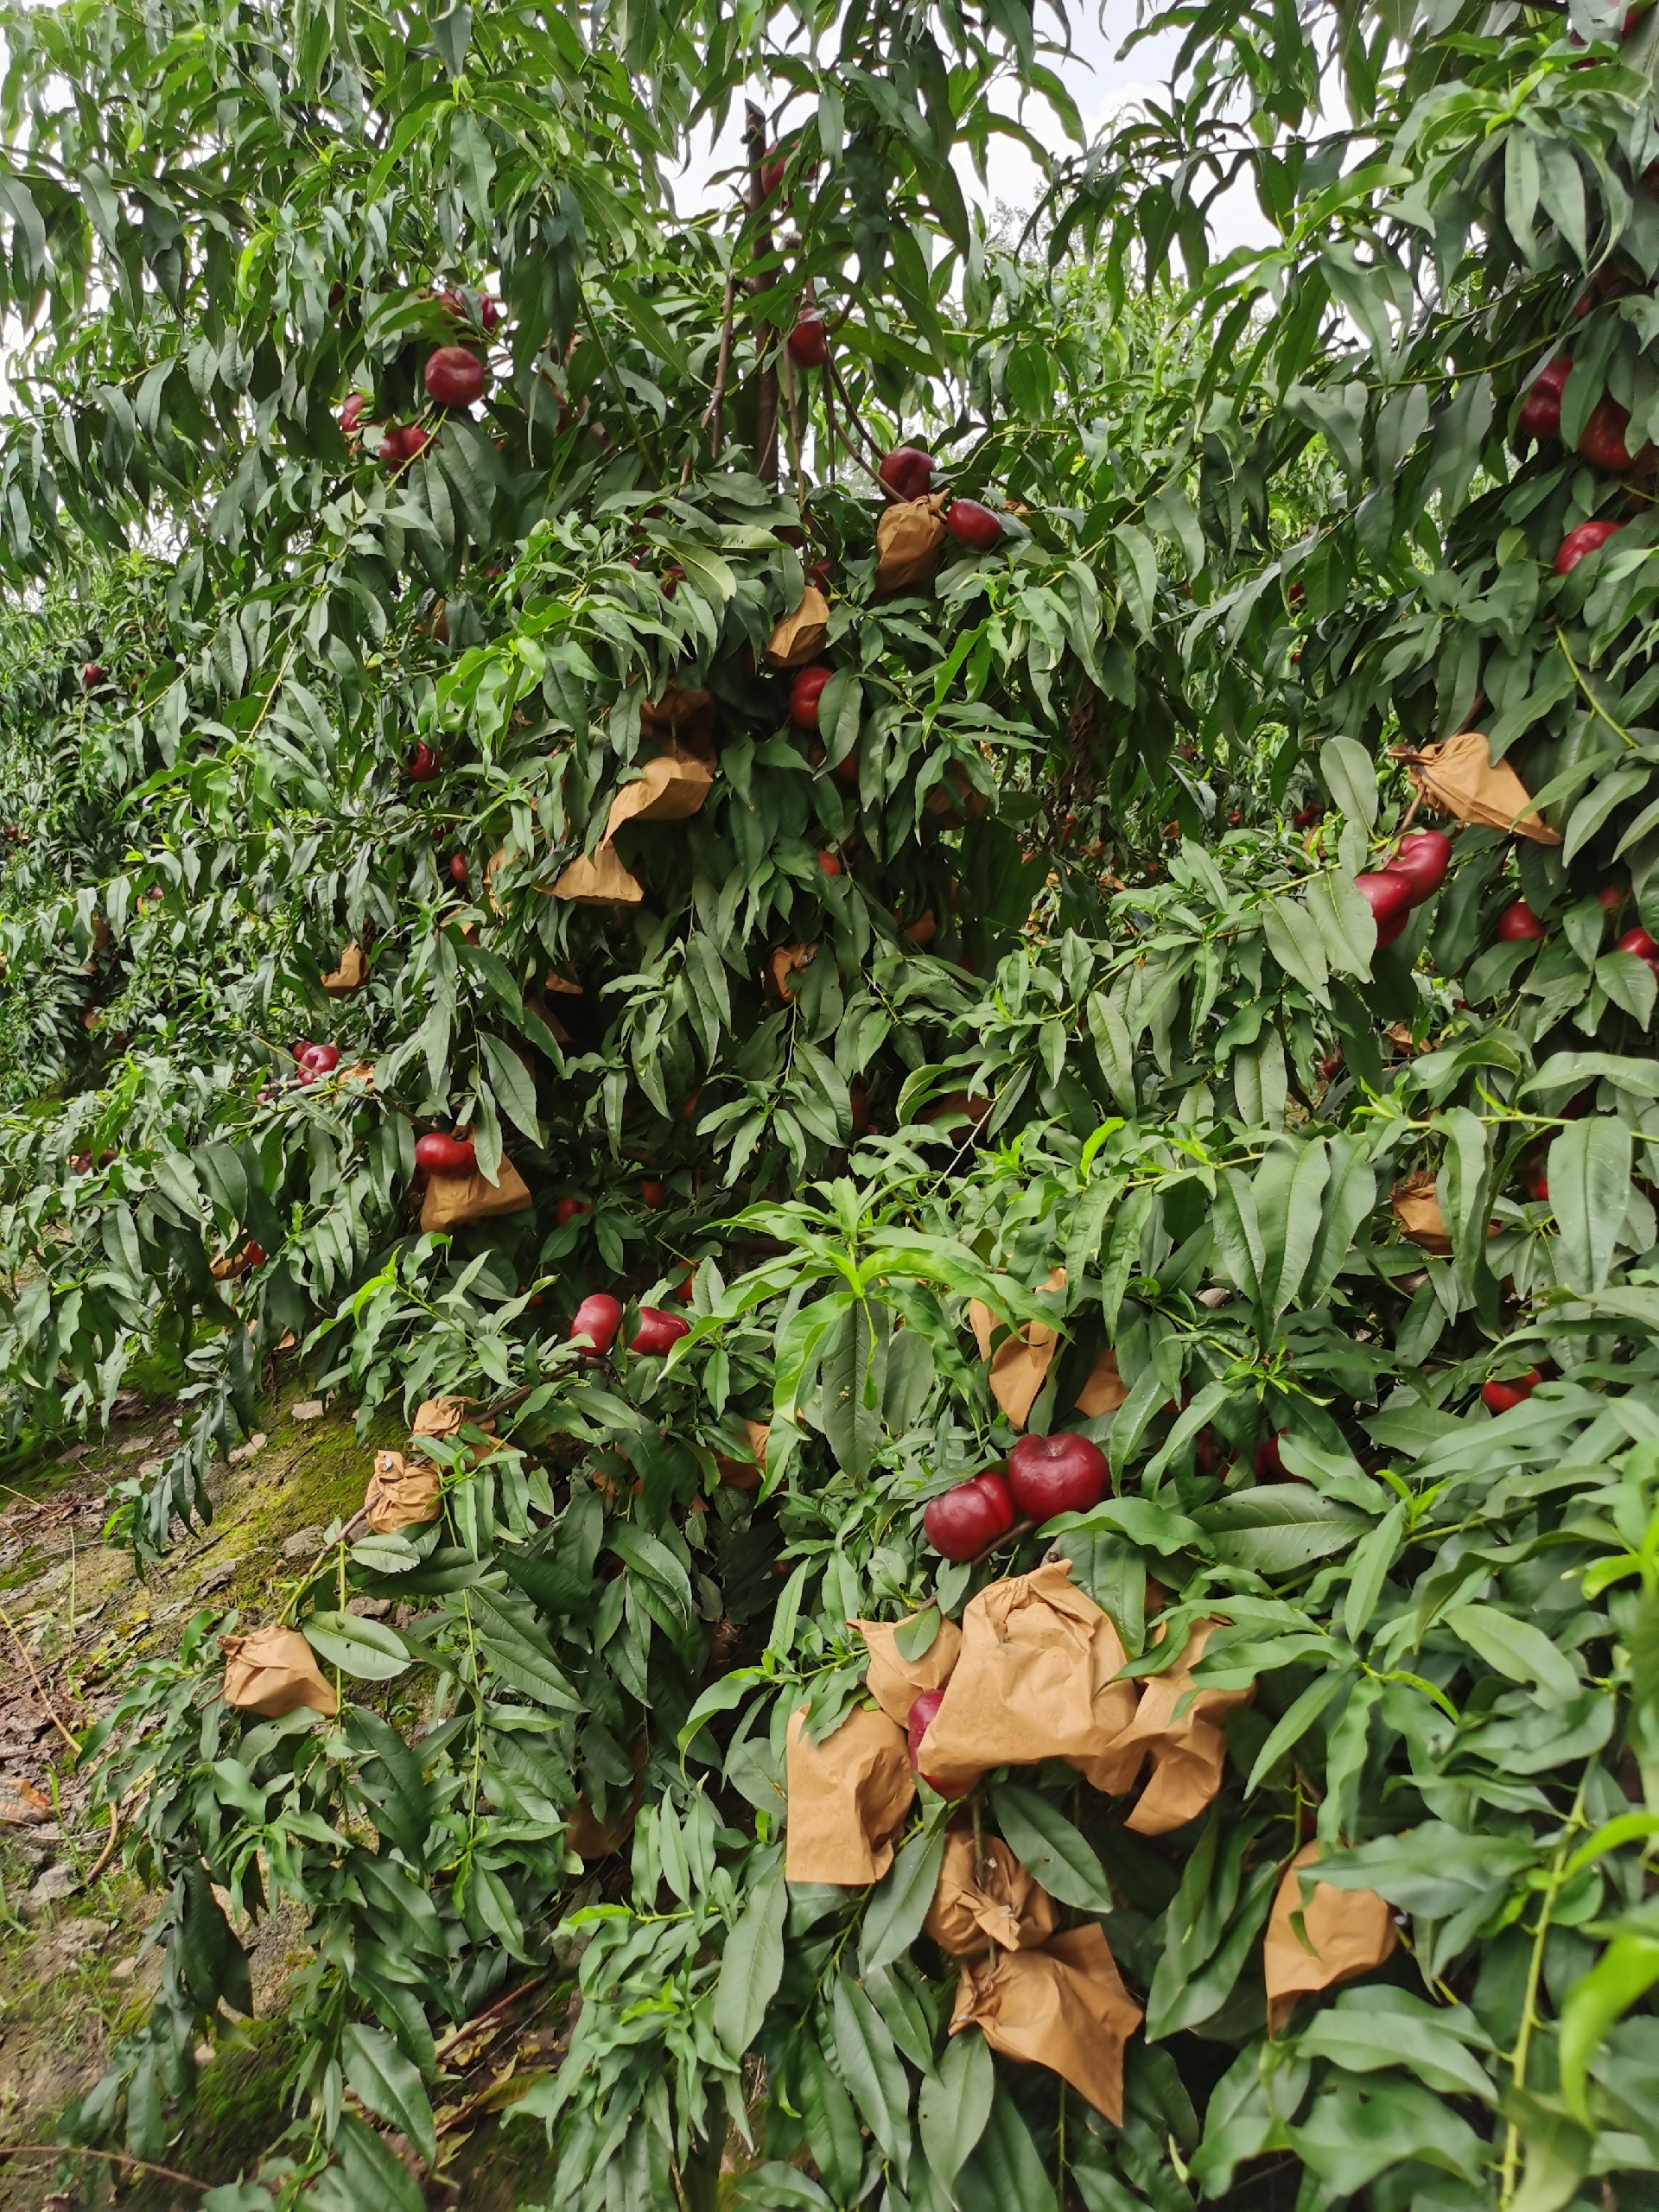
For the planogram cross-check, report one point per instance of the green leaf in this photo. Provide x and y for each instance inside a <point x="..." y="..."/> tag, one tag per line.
<point x="1621" y="1977"/>
<point x="1280" y="1527"/>
<point x="390" y="2086"/>
<point x="1349" y="776"/>
<point x="1515" y="1648"/>
<point x="870" y="2066"/>
<point x="1050" y="1848"/>
<point x="371" y="1650"/>
<point x="954" y="2104"/>
<point x="1589" y="1171"/>
<point x="752" y="1965"/>
<point x="899" y="1903"/>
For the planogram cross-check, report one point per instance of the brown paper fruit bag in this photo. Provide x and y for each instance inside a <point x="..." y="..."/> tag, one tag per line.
<point x="671" y="788"/>
<point x="600" y="881"/>
<point x="1348" y="1932"/>
<point x="1461" y="778"/>
<point x="1064" y="2007"/>
<point x="401" y="1493"/>
<point x="801" y="636"/>
<point x="788" y="960"/>
<point x="351" y="974"/>
<point x="746" y="1474"/>
<point x="1417" y="1210"/>
<point x="443" y="1417"/>
<point x="1187" y="1753"/>
<point x="909" y="544"/>
<point x="848" y="1798"/>
<point x="1021" y="1362"/>
<point x="273" y="1672"/>
<point x="452" y="1198"/>
<point x="1035" y="1679"/>
<point x="1105" y="1389"/>
<point x="681" y="717"/>
<point x="896" y="1682"/>
<point x="1000" y="1901"/>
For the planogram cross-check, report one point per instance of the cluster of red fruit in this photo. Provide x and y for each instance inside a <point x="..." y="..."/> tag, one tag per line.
<point x="454" y="376"/>
<point x="1602" y="442"/>
<point x="1518" y="925"/>
<point x="1415" y="873"/>
<point x="1045" y="1475"/>
<point x="908" y="472"/>
<point x="600" y="1316"/>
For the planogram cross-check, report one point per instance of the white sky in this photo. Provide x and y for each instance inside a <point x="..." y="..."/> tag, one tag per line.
<point x="1103" y="87"/>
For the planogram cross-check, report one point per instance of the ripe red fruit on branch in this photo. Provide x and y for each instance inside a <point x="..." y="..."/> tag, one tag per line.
<point x="974" y="525"/>
<point x="441" y="1155"/>
<point x="1639" y="943"/>
<point x="652" y="1191"/>
<point x="91" y="675"/>
<point x="830" y="863"/>
<point x="657" y="1332"/>
<point x="422" y="762"/>
<point x="1422" y="859"/>
<point x="809" y="342"/>
<point x="805" y="692"/>
<point x="922" y="1715"/>
<point x="1503" y="1397"/>
<point x="325" y="1058"/>
<point x="772" y="173"/>
<point x="1387" y="893"/>
<point x="1308" y="816"/>
<point x="598" y="1318"/>
<point x="908" y="472"/>
<point x="454" y="376"/>
<point x="351" y="413"/>
<point x="458" y="867"/>
<point x="1610" y="898"/>
<point x="1057" y="1474"/>
<point x="965" y="1520"/>
<point x="1603" y="442"/>
<point x="414" y="439"/>
<point x="1540" y="410"/>
<point x="1588" y="537"/>
<point x="567" y="1209"/>
<point x="1518" y="925"/>
<point x="254" y="1253"/>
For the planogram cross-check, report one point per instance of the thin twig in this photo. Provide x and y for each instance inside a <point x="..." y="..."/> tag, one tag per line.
<point x="765" y="409"/>
<point x="714" y="413"/>
<point x="108" y="1852"/>
<point x="113" y="2157"/>
<point x="51" y="1714"/>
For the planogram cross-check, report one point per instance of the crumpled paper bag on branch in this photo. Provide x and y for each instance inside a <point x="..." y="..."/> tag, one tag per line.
<point x="453" y="1199"/>
<point x="909" y="543"/>
<point x="601" y="881"/>
<point x="848" y="1798"/>
<point x="1064" y="2007"/>
<point x="1417" y="1209"/>
<point x="273" y="1672"/>
<point x="1035" y="1679"/>
<point x="896" y="1682"/>
<point x="1187" y="1753"/>
<point x="671" y="788"/>
<point x="801" y="636"/>
<point x="1348" y="1932"/>
<point x="1104" y="1390"/>
<point x="1461" y="778"/>
<point x="1021" y="1362"/>
<point x="746" y="1474"/>
<point x="351" y="974"/>
<point x="401" y="1493"/>
<point x="786" y="961"/>
<point x="681" y="718"/>
<point x="997" y="1899"/>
